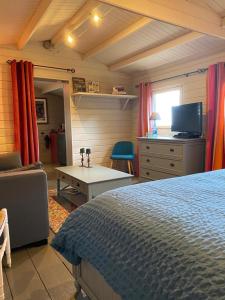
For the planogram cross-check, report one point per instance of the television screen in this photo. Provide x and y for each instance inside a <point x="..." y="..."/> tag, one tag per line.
<point x="187" y="118"/>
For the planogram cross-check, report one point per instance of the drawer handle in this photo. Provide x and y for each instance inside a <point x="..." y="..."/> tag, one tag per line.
<point x="171" y="150"/>
<point x="147" y="173"/>
<point x="172" y="165"/>
<point x="63" y="177"/>
<point x="147" y="160"/>
<point x="147" y="147"/>
<point x="78" y="184"/>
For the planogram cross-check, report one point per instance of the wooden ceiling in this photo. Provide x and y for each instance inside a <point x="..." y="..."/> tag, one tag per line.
<point x="133" y="36"/>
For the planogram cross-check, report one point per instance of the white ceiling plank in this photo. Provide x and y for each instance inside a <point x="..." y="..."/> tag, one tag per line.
<point x="152" y="51"/>
<point x="33" y="23"/>
<point x="75" y="21"/>
<point x="118" y="37"/>
<point x="177" y="12"/>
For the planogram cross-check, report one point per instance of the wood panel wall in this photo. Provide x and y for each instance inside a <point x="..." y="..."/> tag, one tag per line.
<point x="193" y="88"/>
<point x="96" y="124"/>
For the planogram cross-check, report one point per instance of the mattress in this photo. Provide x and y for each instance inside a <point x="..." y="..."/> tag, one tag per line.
<point x="159" y="240"/>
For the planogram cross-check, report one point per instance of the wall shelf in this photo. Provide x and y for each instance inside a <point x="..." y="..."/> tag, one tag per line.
<point x="124" y="99"/>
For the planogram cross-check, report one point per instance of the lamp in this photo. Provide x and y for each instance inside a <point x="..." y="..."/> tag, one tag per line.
<point x="154" y="117"/>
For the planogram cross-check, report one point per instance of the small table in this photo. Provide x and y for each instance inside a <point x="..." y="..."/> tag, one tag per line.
<point x="91" y="181"/>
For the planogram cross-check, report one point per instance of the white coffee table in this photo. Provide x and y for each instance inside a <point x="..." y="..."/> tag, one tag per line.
<point x="91" y="181"/>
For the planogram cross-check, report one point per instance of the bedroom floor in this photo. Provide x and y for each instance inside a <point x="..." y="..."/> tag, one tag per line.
<point x="38" y="273"/>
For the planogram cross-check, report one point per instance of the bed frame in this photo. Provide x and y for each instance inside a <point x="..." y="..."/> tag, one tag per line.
<point x="90" y="282"/>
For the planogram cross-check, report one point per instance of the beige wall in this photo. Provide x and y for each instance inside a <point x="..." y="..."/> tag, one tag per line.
<point x="96" y="123"/>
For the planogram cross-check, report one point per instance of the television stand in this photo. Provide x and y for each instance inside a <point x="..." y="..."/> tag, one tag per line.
<point x="187" y="135"/>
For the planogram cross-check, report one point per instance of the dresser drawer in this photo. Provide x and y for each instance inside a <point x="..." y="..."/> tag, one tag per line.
<point x="154" y="175"/>
<point x="65" y="178"/>
<point x="169" y="165"/>
<point x="161" y="149"/>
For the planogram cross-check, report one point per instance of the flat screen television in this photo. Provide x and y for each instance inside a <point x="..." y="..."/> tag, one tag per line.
<point x="187" y="120"/>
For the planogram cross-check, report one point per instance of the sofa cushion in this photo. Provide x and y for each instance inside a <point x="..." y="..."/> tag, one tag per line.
<point x="35" y="166"/>
<point x="10" y="161"/>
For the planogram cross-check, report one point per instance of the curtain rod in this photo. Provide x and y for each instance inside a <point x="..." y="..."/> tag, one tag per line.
<point x="72" y="70"/>
<point x="199" y="71"/>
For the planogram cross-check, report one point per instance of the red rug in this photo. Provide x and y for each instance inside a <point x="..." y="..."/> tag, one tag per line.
<point x="57" y="213"/>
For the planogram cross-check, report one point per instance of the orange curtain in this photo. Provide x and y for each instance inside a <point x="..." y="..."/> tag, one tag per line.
<point x="25" y="121"/>
<point x="144" y="111"/>
<point x="215" y="152"/>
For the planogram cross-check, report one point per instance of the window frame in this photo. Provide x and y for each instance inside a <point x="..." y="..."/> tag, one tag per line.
<point x="164" y="90"/>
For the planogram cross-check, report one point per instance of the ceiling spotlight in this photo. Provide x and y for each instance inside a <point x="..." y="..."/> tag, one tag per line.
<point x="96" y="19"/>
<point x="70" y="40"/>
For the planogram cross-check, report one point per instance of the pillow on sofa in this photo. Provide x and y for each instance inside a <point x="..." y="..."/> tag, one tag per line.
<point x="35" y="166"/>
<point x="10" y="161"/>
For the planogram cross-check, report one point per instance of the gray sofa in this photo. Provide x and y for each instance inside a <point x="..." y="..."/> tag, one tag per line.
<point x="25" y="195"/>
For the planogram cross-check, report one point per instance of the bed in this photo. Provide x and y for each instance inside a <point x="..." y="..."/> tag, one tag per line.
<point x="158" y="240"/>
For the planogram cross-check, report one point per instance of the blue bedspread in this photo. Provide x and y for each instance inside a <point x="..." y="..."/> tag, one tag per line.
<point x="159" y="240"/>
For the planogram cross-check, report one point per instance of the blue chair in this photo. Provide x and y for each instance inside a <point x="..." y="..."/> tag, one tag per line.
<point x="124" y="151"/>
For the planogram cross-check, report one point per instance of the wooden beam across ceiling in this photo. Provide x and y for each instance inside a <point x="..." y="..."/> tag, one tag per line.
<point x="177" y="12"/>
<point x="75" y="21"/>
<point x="118" y="37"/>
<point x="32" y="24"/>
<point x="152" y="51"/>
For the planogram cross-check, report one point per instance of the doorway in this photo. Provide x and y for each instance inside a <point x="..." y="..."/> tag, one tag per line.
<point x="51" y="119"/>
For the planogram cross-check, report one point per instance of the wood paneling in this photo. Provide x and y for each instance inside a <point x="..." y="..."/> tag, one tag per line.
<point x="97" y="123"/>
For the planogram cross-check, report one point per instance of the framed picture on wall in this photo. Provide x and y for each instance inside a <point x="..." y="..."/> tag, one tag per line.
<point x="41" y="110"/>
<point x="79" y="84"/>
<point x="93" y="86"/>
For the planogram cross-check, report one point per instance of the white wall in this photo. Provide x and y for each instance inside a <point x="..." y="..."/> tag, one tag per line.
<point x="97" y="124"/>
<point x="193" y="87"/>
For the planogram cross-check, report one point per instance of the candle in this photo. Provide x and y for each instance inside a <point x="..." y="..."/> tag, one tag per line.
<point x="88" y="151"/>
<point x="82" y="150"/>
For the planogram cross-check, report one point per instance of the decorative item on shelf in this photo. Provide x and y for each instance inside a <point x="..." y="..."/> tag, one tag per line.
<point x="79" y="84"/>
<point x="93" y="87"/>
<point x="41" y="110"/>
<point x="154" y="117"/>
<point x="82" y="151"/>
<point x="119" y="90"/>
<point x="88" y="152"/>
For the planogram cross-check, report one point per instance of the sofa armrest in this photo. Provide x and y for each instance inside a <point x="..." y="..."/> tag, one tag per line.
<point x="25" y="195"/>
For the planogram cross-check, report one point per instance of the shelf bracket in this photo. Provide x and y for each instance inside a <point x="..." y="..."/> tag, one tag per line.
<point x="77" y="100"/>
<point x="125" y="103"/>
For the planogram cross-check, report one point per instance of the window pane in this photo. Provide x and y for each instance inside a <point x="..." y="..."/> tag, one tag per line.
<point x="163" y="103"/>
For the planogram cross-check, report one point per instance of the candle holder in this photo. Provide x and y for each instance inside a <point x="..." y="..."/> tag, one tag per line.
<point x="88" y="152"/>
<point x="82" y="151"/>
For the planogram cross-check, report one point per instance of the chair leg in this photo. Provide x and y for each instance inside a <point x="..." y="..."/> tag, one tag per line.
<point x="132" y="167"/>
<point x="2" y="296"/>
<point x="111" y="164"/>
<point x="6" y="235"/>
<point x="129" y="166"/>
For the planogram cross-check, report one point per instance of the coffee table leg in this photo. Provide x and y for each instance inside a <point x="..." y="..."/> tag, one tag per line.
<point x="58" y="187"/>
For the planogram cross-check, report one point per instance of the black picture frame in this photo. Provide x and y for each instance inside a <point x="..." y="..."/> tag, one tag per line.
<point x="41" y="110"/>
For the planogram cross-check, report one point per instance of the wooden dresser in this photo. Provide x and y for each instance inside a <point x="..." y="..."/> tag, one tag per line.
<point x="165" y="157"/>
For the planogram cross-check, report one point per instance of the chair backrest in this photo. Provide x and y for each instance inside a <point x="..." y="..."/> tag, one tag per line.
<point x="123" y="148"/>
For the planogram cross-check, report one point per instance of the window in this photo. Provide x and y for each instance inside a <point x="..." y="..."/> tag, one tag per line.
<point x="162" y="104"/>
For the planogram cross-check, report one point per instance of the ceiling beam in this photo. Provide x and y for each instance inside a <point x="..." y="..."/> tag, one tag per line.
<point x="52" y="87"/>
<point x="177" y="12"/>
<point x="32" y="24"/>
<point x="152" y="51"/>
<point x="118" y="36"/>
<point x="75" y="21"/>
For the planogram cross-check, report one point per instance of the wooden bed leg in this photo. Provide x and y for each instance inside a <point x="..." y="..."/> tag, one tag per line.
<point x="78" y="289"/>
